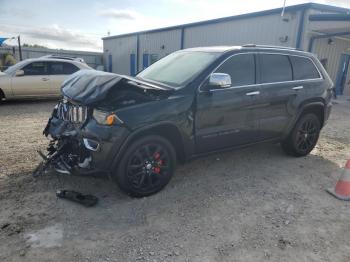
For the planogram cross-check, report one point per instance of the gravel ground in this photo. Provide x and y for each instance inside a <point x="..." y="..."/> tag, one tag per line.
<point x="254" y="204"/>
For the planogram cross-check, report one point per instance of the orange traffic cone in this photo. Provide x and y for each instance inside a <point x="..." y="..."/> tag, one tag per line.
<point x="342" y="188"/>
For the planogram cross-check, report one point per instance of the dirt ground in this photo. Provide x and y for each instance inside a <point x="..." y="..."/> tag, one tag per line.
<point x="254" y="204"/>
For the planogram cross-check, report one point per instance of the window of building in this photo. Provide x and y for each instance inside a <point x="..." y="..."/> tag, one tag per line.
<point x="153" y="58"/>
<point x="275" y="68"/>
<point x="241" y="68"/>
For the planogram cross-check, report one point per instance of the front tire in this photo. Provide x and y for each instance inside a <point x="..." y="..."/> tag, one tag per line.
<point x="146" y="167"/>
<point x="2" y="97"/>
<point x="303" y="137"/>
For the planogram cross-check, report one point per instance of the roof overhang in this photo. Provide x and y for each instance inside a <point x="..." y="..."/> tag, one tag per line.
<point x="330" y="17"/>
<point x="330" y="25"/>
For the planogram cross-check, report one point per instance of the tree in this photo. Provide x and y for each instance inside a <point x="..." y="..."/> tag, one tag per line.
<point x="35" y="46"/>
<point x="6" y="60"/>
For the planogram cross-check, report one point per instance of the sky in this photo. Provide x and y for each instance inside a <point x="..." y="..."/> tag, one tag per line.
<point x="80" y="24"/>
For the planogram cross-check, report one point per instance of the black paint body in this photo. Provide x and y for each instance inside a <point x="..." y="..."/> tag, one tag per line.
<point x="198" y="122"/>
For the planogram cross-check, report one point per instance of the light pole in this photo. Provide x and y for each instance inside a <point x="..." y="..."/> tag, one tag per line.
<point x="19" y="48"/>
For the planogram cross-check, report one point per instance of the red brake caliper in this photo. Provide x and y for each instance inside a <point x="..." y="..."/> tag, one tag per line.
<point x="159" y="161"/>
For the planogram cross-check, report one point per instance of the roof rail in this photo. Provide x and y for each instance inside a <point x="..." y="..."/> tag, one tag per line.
<point x="269" y="46"/>
<point x="72" y="58"/>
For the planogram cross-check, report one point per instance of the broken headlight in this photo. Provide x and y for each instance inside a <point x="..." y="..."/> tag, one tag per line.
<point x="106" y="118"/>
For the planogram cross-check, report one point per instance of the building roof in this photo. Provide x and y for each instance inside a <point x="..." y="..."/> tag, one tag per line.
<point x="321" y="7"/>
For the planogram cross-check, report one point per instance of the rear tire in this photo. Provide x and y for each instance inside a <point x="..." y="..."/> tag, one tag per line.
<point x="146" y="167"/>
<point x="304" y="136"/>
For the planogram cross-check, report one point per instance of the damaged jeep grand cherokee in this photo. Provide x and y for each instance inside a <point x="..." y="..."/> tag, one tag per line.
<point x="190" y="103"/>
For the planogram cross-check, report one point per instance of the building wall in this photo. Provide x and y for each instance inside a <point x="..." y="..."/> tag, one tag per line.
<point x="332" y="53"/>
<point x="264" y="30"/>
<point x="321" y="47"/>
<point x="269" y="29"/>
<point x="307" y="27"/>
<point x="93" y="59"/>
<point x="160" y="43"/>
<point x="120" y="49"/>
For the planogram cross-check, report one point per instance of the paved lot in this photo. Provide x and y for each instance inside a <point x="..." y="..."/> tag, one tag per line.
<point x="253" y="204"/>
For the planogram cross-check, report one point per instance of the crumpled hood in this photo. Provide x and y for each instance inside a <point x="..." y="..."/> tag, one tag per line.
<point x="88" y="87"/>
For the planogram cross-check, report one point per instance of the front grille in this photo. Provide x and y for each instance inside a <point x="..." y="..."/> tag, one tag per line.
<point x="72" y="113"/>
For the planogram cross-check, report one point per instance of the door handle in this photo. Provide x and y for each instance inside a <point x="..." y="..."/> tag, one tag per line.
<point x="297" y="87"/>
<point x="253" y="93"/>
<point x="45" y="79"/>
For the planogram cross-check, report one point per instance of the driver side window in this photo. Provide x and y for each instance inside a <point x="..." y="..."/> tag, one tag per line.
<point x="35" y="68"/>
<point x="241" y="68"/>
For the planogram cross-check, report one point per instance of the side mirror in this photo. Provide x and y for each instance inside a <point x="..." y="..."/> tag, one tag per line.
<point x="19" y="73"/>
<point x="219" y="80"/>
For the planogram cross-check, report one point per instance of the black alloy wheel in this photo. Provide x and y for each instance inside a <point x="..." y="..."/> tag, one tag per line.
<point x="147" y="166"/>
<point x="304" y="136"/>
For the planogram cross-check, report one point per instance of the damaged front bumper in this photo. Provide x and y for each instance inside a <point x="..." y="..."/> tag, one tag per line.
<point x="78" y="143"/>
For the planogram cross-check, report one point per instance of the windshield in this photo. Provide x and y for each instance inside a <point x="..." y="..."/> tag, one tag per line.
<point x="15" y="67"/>
<point x="179" y="68"/>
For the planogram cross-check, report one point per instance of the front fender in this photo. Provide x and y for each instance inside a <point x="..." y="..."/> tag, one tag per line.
<point x="5" y="86"/>
<point x="186" y="141"/>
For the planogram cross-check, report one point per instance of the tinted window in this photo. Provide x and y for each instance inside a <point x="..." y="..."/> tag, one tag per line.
<point x="275" y="68"/>
<point x="303" y="68"/>
<point x="61" y="68"/>
<point x="241" y="68"/>
<point x="69" y="68"/>
<point x="35" y="68"/>
<point x="56" y="68"/>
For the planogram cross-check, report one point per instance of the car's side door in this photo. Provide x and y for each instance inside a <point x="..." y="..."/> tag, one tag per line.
<point x="34" y="82"/>
<point x="59" y="71"/>
<point x="226" y="117"/>
<point x="279" y="94"/>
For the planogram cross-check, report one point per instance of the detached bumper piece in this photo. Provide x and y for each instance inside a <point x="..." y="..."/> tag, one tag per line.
<point x="85" y="200"/>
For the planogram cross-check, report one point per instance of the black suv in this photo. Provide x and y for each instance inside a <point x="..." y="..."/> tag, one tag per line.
<point x="191" y="102"/>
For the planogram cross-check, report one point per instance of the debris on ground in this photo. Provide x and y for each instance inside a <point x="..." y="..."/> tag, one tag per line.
<point x="255" y="204"/>
<point x="85" y="200"/>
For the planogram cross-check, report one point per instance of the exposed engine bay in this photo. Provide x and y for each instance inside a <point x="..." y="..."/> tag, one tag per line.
<point x="71" y="145"/>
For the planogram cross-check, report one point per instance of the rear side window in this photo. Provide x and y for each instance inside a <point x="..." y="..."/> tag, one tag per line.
<point x="69" y="68"/>
<point x="35" y="68"/>
<point x="303" y="68"/>
<point x="275" y="68"/>
<point x="241" y="68"/>
<point x="62" y="68"/>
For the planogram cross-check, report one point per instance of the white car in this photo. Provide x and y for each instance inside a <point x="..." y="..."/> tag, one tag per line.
<point x="39" y="77"/>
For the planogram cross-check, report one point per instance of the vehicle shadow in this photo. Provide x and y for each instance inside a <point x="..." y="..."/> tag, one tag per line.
<point x="265" y="162"/>
<point x="236" y="198"/>
<point x="253" y="172"/>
